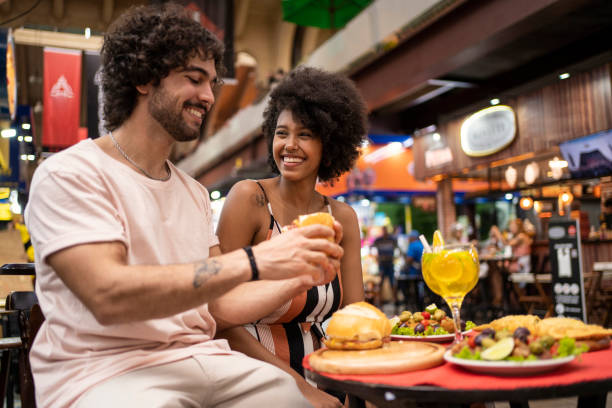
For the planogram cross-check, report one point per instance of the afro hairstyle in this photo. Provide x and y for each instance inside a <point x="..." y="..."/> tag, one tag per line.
<point x="330" y="106"/>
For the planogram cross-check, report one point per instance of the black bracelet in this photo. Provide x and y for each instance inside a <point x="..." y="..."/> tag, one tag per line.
<point x="254" y="270"/>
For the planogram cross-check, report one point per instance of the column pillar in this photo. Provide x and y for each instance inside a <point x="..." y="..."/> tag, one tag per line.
<point x="445" y="206"/>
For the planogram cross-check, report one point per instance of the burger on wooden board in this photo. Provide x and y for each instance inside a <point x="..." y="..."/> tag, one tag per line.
<point x="358" y="326"/>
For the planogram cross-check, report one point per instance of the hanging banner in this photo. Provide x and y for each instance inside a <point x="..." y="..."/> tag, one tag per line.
<point x="4" y="96"/>
<point x="62" y="97"/>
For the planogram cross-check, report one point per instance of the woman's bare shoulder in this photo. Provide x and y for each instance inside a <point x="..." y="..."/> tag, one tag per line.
<point x="247" y="192"/>
<point x="342" y="212"/>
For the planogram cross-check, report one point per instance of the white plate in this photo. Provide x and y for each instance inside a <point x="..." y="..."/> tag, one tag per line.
<point x="509" y="368"/>
<point x="437" y="338"/>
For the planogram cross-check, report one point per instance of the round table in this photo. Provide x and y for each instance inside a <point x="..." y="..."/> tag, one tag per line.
<point x="590" y="379"/>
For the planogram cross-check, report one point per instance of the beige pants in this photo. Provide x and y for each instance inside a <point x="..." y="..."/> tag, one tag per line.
<point x="198" y="382"/>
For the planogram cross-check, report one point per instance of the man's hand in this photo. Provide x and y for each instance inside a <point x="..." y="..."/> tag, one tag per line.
<point x="301" y="252"/>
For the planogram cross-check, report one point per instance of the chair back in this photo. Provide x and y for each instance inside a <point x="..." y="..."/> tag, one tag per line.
<point x="30" y="318"/>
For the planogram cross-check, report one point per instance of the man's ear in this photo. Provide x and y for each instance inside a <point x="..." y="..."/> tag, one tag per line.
<point x="143" y="89"/>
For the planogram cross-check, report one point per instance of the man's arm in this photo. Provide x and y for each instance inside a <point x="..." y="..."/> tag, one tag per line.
<point x="115" y="292"/>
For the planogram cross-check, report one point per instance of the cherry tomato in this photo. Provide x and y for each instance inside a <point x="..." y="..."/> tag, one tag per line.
<point x="472" y="341"/>
<point x="553" y="349"/>
<point x="426" y="315"/>
<point x="425" y="322"/>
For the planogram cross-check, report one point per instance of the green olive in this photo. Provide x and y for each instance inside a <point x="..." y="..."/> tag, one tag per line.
<point x="536" y="347"/>
<point x="439" y="314"/>
<point x="405" y="316"/>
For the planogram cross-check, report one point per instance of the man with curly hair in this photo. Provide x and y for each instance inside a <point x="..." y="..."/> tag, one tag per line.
<point x="315" y="122"/>
<point x="126" y="257"/>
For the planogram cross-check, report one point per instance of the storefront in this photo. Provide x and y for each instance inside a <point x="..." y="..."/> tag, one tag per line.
<point x="548" y="148"/>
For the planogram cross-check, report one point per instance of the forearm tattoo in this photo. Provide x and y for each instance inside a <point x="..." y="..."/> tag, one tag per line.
<point x="205" y="271"/>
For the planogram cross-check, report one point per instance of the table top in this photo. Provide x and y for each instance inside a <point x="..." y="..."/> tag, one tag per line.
<point x="590" y="374"/>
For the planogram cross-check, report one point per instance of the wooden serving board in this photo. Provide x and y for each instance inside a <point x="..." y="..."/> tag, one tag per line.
<point x="393" y="357"/>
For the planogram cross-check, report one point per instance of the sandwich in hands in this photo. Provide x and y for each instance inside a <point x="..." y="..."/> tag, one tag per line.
<point x="322" y="218"/>
<point x="358" y="326"/>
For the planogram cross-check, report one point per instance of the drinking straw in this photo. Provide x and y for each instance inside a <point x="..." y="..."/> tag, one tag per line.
<point x="425" y="243"/>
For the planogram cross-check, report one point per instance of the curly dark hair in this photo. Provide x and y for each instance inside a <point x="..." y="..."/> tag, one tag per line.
<point x="142" y="46"/>
<point x="330" y="106"/>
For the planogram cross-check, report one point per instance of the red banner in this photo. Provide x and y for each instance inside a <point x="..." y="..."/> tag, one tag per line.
<point x="62" y="97"/>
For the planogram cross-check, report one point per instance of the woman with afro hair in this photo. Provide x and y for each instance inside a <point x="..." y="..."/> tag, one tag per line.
<point x="314" y="123"/>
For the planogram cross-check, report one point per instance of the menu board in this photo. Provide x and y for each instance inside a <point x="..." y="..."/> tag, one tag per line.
<point x="566" y="267"/>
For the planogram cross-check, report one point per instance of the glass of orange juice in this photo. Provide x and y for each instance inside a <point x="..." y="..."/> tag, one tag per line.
<point x="451" y="271"/>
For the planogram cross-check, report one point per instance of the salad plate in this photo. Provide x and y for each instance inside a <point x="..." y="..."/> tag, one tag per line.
<point x="435" y="338"/>
<point x="509" y="368"/>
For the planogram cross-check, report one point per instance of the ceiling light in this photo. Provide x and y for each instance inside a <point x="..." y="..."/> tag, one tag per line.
<point x="6" y="133"/>
<point x="564" y="75"/>
<point x="557" y="164"/>
<point x="27" y="139"/>
<point x="87" y="33"/>
<point x="215" y="195"/>
<point x="31" y="157"/>
<point x="20" y="138"/>
<point x="494" y="101"/>
<point x="566" y="198"/>
<point x="508" y="196"/>
<point x="26" y="126"/>
<point x="526" y="203"/>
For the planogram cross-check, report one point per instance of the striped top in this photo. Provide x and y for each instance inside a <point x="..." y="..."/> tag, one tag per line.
<point x="294" y="330"/>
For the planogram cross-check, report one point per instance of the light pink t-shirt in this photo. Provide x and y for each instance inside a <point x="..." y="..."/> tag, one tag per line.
<point x="82" y="195"/>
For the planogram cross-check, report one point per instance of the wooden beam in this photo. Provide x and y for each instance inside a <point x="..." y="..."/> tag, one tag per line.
<point x="42" y="38"/>
<point x="58" y="9"/>
<point x="471" y="31"/>
<point x="107" y="10"/>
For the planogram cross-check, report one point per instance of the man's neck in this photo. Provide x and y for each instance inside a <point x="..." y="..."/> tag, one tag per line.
<point x="145" y="142"/>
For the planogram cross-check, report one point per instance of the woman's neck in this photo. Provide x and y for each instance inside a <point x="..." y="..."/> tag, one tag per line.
<point x="298" y="198"/>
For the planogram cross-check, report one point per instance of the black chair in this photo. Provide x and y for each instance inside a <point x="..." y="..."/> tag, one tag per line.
<point x="29" y="318"/>
<point x="24" y="318"/>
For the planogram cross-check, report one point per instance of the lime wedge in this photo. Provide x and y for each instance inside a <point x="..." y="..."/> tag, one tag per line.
<point x="499" y="350"/>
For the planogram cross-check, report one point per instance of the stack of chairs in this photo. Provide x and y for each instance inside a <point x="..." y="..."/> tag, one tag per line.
<point x="23" y="317"/>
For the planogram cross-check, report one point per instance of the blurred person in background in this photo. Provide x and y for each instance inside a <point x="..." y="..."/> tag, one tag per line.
<point x="385" y="246"/>
<point x="314" y="123"/>
<point x="520" y="244"/>
<point x="411" y="276"/>
<point x="457" y="234"/>
<point x="493" y="247"/>
<point x="127" y="260"/>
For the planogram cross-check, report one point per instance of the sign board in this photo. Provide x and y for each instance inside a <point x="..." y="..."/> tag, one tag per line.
<point x="488" y="131"/>
<point x="566" y="267"/>
<point x="437" y="151"/>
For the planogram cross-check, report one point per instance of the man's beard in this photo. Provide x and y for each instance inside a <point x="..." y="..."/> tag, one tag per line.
<point x="161" y="107"/>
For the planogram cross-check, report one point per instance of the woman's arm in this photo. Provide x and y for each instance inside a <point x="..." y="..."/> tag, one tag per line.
<point x="244" y="221"/>
<point x="350" y="265"/>
<point x="241" y="340"/>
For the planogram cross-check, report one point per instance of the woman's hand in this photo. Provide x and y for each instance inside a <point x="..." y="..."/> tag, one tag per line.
<point x="318" y="398"/>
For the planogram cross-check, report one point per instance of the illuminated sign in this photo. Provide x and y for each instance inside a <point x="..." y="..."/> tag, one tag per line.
<point x="488" y="131"/>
